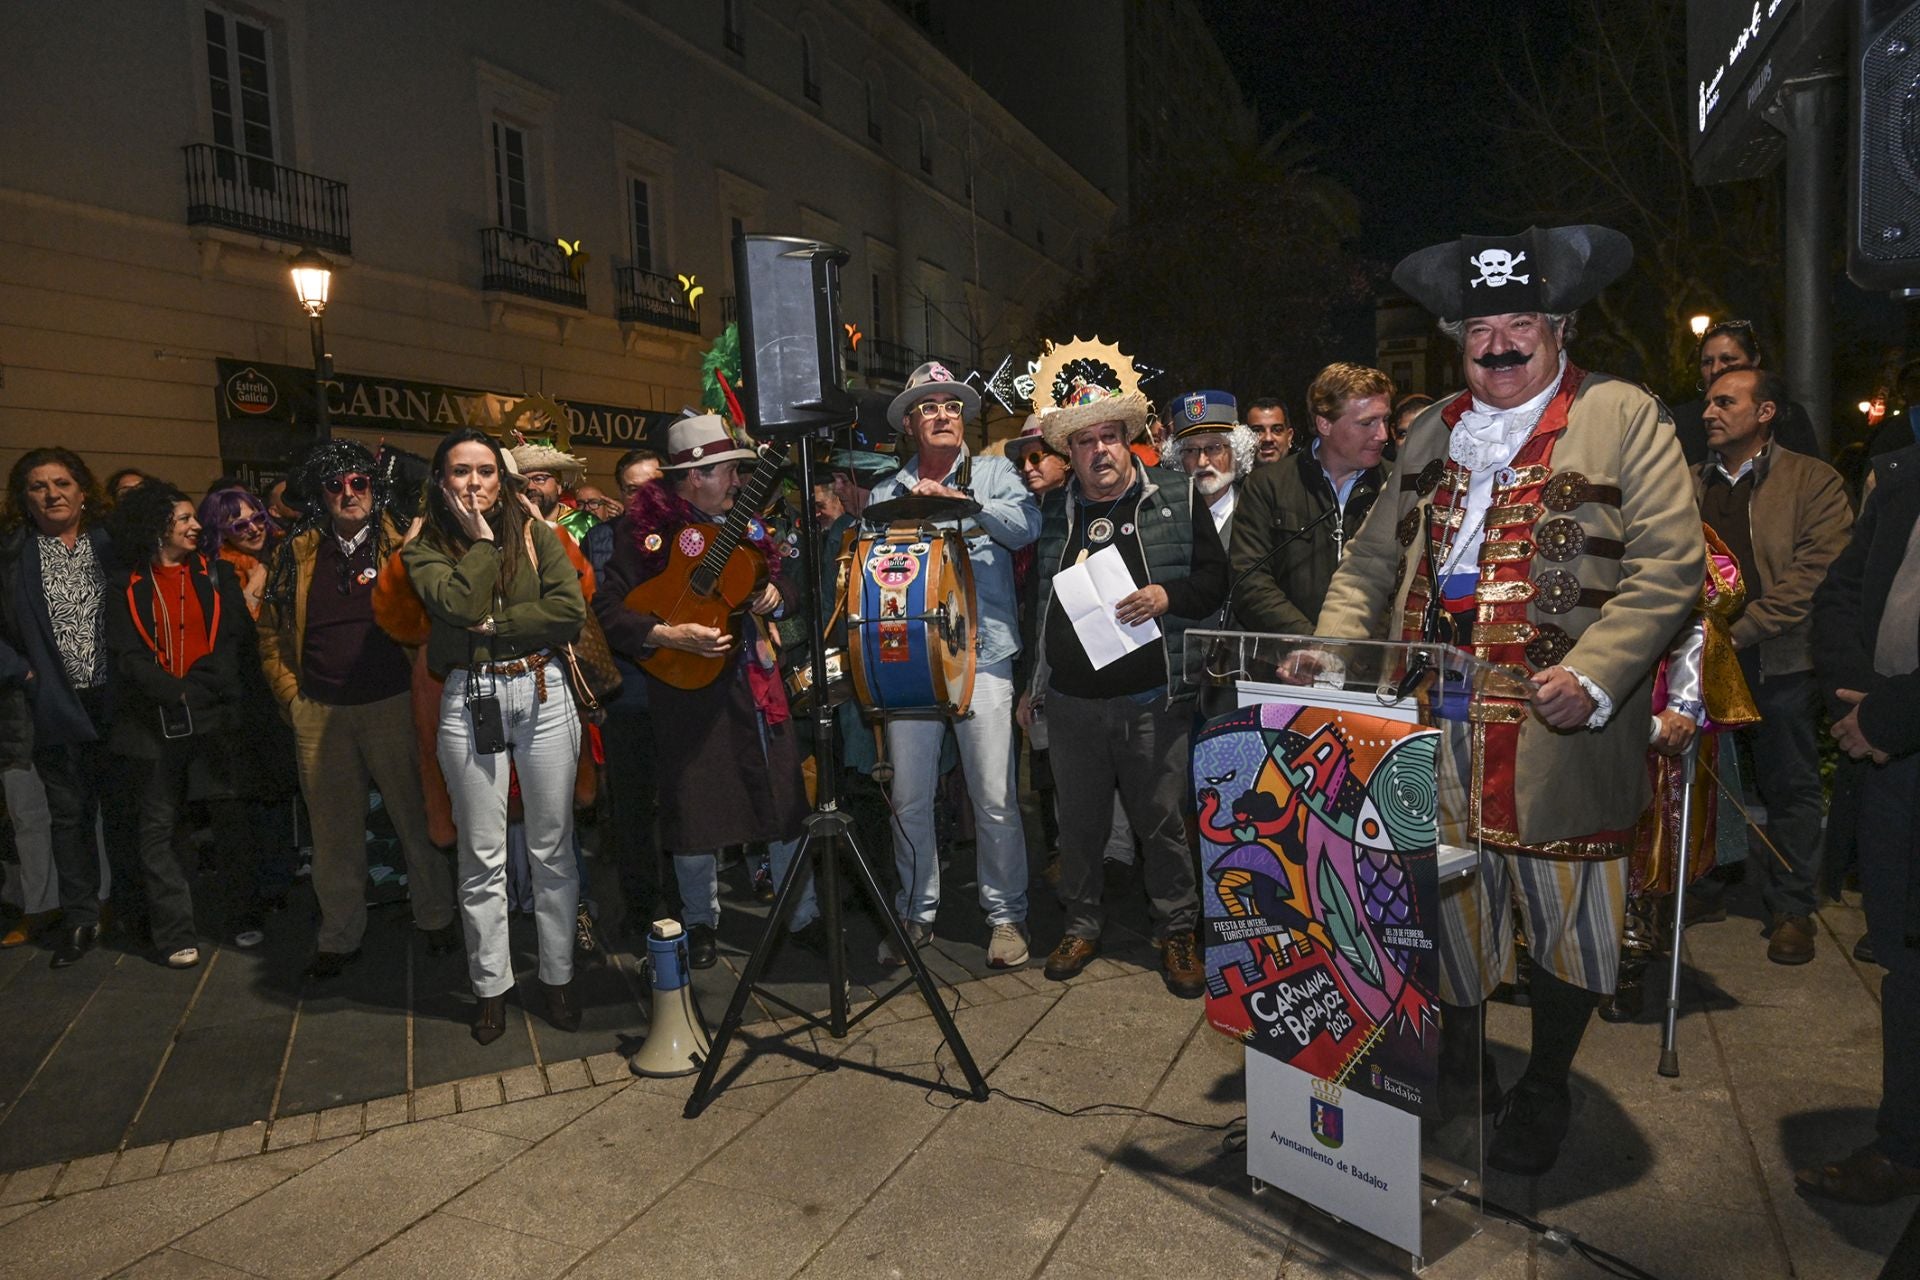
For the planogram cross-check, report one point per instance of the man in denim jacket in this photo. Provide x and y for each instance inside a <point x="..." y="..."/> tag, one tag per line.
<point x="933" y="412"/>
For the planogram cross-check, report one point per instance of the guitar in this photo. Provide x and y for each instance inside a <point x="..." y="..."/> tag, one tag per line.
<point x="709" y="578"/>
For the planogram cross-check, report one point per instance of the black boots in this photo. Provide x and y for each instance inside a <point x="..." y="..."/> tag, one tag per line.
<point x="1533" y="1124"/>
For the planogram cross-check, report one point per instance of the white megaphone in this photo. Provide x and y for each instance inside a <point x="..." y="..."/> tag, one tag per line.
<point x="674" y="1033"/>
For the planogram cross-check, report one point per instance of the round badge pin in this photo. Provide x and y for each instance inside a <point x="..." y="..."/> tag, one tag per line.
<point x="366" y="575"/>
<point x="1126" y="529"/>
<point x="1100" y="530"/>
<point x="1505" y="477"/>
<point x="654" y="542"/>
<point x="691" y="542"/>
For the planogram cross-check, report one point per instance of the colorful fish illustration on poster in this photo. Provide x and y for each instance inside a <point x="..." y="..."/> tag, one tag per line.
<point x="1320" y="893"/>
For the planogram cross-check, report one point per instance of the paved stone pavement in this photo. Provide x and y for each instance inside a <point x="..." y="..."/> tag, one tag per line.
<point x="572" y="1166"/>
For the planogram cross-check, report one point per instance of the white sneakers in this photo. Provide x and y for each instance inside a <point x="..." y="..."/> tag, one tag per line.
<point x="1007" y="948"/>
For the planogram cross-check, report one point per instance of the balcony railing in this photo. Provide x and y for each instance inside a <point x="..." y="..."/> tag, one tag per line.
<point x="887" y="361"/>
<point x="646" y="297"/>
<point x="226" y="188"/>
<point x="729" y="309"/>
<point x="516" y="263"/>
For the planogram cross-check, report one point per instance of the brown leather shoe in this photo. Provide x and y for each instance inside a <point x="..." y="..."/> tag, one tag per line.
<point x="1865" y="1177"/>
<point x="1185" y="975"/>
<point x="28" y="927"/>
<point x="1792" y="940"/>
<point x="1070" y="957"/>
<point x="490" y="1018"/>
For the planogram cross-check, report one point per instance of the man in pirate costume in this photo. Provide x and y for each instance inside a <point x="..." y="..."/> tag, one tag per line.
<point x="1544" y="520"/>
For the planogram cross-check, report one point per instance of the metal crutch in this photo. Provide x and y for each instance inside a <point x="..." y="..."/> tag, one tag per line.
<point x="1670" y="1033"/>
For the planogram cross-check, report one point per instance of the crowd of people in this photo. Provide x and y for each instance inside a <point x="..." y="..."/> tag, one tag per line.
<point x="1652" y="577"/>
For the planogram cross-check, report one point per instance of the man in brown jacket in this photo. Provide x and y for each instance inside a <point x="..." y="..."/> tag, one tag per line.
<point x="1543" y="519"/>
<point x="1785" y="516"/>
<point x="343" y="684"/>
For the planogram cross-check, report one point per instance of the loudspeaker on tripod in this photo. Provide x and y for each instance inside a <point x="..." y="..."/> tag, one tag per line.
<point x="676" y="1041"/>
<point x="1883" y="203"/>
<point x="789" y="296"/>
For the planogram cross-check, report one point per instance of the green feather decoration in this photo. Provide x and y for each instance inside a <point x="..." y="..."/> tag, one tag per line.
<point x="724" y="356"/>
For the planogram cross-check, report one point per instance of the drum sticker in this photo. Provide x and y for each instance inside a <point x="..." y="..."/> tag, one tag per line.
<point x="654" y="542"/>
<point x="691" y="542"/>
<point x="893" y="642"/>
<point x="894" y="570"/>
<point x="919" y="549"/>
<point x="1100" y="530"/>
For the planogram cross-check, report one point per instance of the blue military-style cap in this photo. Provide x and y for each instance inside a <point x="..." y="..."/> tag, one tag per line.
<point x="1198" y="411"/>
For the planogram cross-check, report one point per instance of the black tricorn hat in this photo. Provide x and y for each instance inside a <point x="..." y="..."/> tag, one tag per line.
<point x="1544" y="269"/>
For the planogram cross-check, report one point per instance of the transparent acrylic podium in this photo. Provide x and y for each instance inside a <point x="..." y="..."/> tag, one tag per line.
<point x="1406" y="1189"/>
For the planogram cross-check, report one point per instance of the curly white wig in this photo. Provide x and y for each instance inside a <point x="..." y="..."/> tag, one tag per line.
<point x="1240" y="439"/>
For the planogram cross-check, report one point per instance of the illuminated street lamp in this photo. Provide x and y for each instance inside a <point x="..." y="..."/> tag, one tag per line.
<point x="312" y="277"/>
<point x="1700" y="325"/>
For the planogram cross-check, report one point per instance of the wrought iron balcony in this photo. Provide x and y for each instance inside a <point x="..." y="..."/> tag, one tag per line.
<point x="729" y="309"/>
<point x="516" y="263"/>
<point x="226" y="188"/>
<point x="887" y="361"/>
<point x="646" y="297"/>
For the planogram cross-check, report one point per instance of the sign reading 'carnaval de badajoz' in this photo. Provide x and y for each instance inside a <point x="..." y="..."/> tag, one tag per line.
<point x="255" y="391"/>
<point x="1320" y="920"/>
<point x="1321" y="893"/>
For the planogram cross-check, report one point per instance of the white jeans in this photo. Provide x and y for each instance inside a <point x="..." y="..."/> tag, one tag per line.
<point x="987" y="757"/>
<point x="543" y="749"/>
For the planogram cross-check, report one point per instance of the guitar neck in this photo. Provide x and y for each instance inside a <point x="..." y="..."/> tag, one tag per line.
<point x="752" y="499"/>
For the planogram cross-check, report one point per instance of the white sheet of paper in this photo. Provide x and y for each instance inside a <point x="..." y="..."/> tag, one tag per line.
<point x="1088" y="592"/>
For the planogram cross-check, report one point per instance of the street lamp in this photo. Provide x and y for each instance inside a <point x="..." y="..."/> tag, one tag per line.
<point x="312" y="276"/>
<point x="1700" y="325"/>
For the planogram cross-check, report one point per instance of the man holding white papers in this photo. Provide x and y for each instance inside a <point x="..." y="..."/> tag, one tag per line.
<point x="1125" y="553"/>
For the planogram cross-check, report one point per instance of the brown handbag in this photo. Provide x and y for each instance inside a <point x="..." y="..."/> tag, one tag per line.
<point x="592" y="677"/>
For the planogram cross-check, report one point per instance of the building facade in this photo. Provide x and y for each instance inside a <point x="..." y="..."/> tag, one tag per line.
<point x="1417" y="356"/>
<point x="517" y="200"/>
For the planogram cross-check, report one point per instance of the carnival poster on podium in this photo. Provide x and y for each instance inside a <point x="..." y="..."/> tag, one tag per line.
<point x="1321" y="894"/>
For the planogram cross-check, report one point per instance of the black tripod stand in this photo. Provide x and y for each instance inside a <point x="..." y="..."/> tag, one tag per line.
<point x="827" y="826"/>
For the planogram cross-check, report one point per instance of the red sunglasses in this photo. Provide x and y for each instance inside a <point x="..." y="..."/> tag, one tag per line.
<point x="356" y="482"/>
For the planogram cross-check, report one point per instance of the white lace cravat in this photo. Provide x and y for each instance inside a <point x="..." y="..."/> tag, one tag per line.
<point x="1486" y="437"/>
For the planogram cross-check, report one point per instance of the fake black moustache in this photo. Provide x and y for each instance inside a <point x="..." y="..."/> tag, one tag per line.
<point x="1503" y="360"/>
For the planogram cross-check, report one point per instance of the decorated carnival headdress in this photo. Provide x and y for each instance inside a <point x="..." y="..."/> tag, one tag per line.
<point x="1082" y="384"/>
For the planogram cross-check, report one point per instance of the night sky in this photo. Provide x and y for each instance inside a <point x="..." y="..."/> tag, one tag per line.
<point x="1406" y="140"/>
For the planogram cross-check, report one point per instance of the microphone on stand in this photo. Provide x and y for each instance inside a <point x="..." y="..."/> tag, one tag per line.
<point x="1293" y="535"/>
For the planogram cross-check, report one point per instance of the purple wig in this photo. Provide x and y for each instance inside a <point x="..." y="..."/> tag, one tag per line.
<point x="220" y="509"/>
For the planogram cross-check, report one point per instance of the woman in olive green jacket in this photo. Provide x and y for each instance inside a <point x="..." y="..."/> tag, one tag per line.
<point x="503" y="598"/>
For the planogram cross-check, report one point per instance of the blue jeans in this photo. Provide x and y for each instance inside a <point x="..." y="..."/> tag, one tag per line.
<point x="987" y="756"/>
<point x="543" y="748"/>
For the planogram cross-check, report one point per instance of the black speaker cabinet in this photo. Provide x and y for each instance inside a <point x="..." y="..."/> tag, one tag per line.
<point x="789" y="293"/>
<point x="1883" y="242"/>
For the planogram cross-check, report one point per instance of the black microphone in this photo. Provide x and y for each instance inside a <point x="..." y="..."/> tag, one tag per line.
<point x="1293" y="536"/>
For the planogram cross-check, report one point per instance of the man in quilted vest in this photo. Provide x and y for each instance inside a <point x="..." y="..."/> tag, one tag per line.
<point x="1120" y="722"/>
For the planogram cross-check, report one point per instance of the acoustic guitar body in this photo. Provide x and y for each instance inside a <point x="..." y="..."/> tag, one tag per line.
<point x="673" y="596"/>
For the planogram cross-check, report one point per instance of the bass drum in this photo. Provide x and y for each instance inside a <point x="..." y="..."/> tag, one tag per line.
<point x="910" y="620"/>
